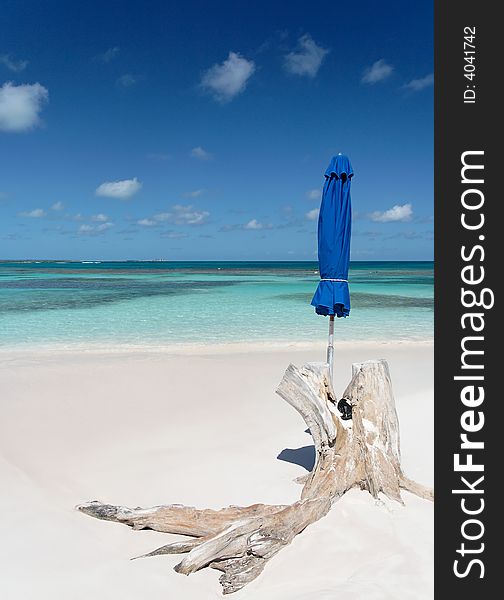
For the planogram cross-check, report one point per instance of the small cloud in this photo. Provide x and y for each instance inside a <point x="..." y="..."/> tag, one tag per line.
<point x="313" y="194"/>
<point x="399" y="212"/>
<point x="193" y="194"/>
<point x="36" y="213"/>
<point x="226" y="80"/>
<point x="123" y="189"/>
<point x="378" y="71"/>
<point x="200" y="153"/>
<point x="126" y="81"/>
<point x="417" y="85"/>
<point x="307" y="58"/>
<point x="99" y="218"/>
<point x="86" y="229"/>
<point x="13" y="64"/>
<point x="20" y="106"/>
<point x="188" y="215"/>
<point x="109" y="54"/>
<point x="57" y="206"/>
<point x="254" y="224"/>
<point x="147" y="222"/>
<point x="179" y="214"/>
<point x="312" y="215"/>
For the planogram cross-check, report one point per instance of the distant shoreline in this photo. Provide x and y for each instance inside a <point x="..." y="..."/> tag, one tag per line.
<point x="192" y="261"/>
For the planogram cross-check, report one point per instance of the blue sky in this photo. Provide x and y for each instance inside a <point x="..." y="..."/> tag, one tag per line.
<point x="201" y="130"/>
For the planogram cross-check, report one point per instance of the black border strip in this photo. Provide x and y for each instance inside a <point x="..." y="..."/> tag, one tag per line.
<point x="463" y="126"/>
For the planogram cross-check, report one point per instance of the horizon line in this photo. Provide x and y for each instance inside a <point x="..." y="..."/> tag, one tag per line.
<point x="94" y="260"/>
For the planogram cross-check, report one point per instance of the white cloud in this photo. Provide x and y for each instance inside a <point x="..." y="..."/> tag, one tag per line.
<point x="179" y="214"/>
<point x="13" y="64"/>
<point x="313" y="214"/>
<point x="109" y="54"/>
<point x="20" y="106"/>
<point x="193" y="194"/>
<point x="124" y="189"/>
<point x="94" y="229"/>
<point x="200" y="153"/>
<point x="188" y="215"/>
<point x="57" y="206"/>
<point x="307" y="58"/>
<point x="127" y="80"/>
<point x="378" y="71"/>
<point x="254" y="224"/>
<point x="104" y="226"/>
<point x="147" y="222"/>
<point x="416" y="85"/>
<point x="99" y="218"/>
<point x="313" y="194"/>
<point x="36" y="213"/>
<point x="399" y="212"/>
<point x="226" y="80"/>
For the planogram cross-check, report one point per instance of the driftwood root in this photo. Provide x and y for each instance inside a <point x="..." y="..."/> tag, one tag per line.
<point x="363" y="452"/>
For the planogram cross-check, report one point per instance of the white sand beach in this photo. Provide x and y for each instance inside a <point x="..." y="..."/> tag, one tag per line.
<point x="143" y="428"/>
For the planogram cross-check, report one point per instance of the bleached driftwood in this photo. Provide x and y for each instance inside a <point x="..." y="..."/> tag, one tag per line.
<point x="363" y="452"/>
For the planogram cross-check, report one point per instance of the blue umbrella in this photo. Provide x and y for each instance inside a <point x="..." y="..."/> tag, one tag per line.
<point x="334" y="231"/>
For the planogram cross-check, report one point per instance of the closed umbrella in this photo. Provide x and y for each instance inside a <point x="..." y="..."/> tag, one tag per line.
<point x="332" y="297"/>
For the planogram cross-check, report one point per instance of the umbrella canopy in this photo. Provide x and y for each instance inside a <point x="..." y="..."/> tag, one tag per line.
<point x="334" y="230"/>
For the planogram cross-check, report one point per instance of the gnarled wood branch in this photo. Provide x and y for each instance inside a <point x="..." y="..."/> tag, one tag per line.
<point x="363" y="452"/>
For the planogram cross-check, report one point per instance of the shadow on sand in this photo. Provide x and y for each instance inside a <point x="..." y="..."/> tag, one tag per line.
<point x="304" y="457"/>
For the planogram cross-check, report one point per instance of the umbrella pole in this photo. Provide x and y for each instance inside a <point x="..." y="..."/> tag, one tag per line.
<point x="330" y="347"/>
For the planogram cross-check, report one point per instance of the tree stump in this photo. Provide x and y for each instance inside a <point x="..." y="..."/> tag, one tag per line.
<point x="363" y="452"/>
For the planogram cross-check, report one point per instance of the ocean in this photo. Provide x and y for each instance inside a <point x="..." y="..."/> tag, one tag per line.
<point x="168" y="303"/>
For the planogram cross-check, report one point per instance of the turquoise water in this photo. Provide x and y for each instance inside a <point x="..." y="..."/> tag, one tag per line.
<point x="166" y="303"/>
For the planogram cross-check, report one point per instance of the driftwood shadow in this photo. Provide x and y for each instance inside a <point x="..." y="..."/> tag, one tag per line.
<point x="304" y="457"/>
